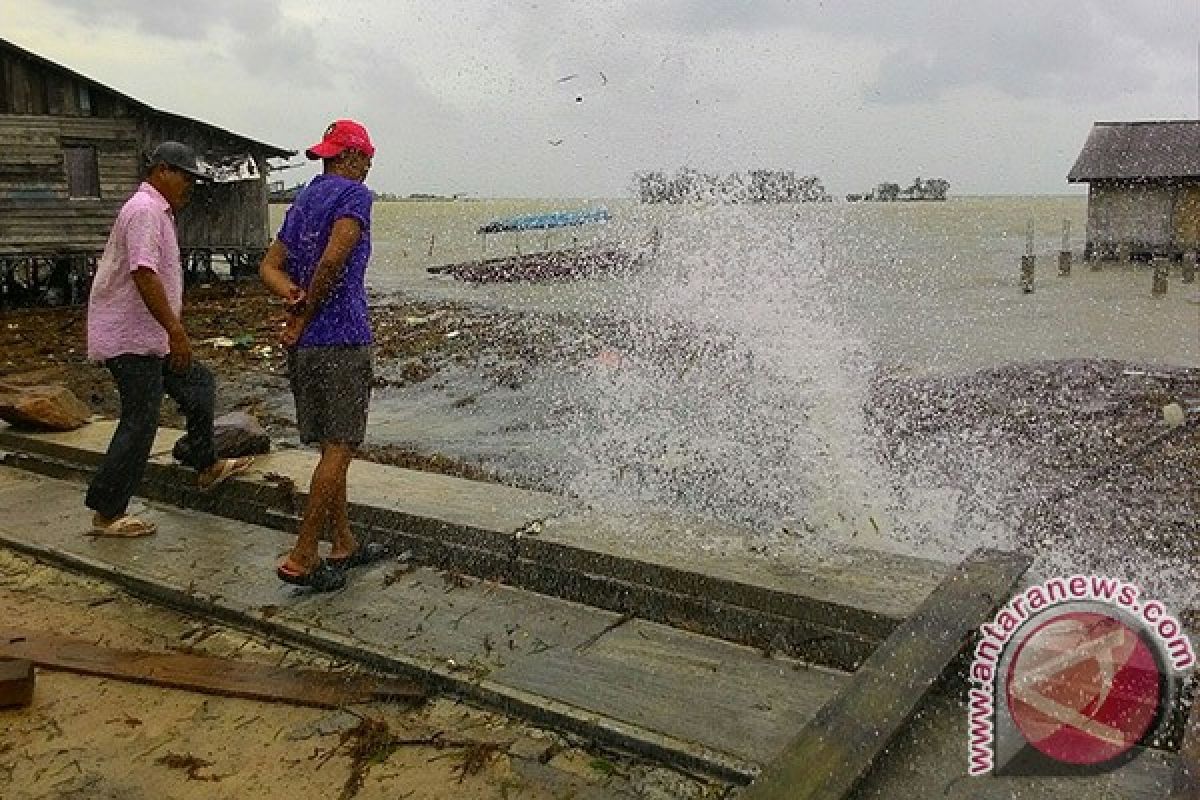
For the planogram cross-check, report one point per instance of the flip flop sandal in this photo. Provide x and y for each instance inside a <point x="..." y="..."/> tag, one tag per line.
<point x="227" y="468"/>
<point x="366" y="554"/>
<point x="321" y="578"/>
<point x="124" y="527"/>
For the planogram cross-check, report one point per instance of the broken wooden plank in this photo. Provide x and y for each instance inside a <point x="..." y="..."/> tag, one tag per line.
<point x="835" y="749"/>
<point x="206" y="674"/>
<point x="1187" y="770"/>
<point x="16" y="683"/>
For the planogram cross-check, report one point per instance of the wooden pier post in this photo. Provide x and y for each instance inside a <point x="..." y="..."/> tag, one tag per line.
<point x="1064" y="253"/>
<point x="1188" y="266"/>
<point x="432" y="239"/>
<point x="1161" y="265"/>
<point x="1028" y="262"/>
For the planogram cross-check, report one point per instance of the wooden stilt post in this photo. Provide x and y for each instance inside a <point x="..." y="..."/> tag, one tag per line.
<point x="1064" y="253"/>
<point x="1028" y="262"/>
<point x="1188" y="266"/>
<point x="1161" y="264"/>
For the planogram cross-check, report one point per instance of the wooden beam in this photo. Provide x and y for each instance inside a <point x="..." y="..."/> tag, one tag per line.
<point x="16" y="682"/>
<point x="1187" y="771"/>
<point x="205" y="674"/>
<point x="834" y="751"/>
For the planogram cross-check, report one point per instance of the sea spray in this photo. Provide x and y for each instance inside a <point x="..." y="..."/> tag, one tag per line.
<point x="733" y="392"/>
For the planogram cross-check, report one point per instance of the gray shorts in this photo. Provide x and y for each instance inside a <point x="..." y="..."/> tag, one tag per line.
<point x="332" y="387"/>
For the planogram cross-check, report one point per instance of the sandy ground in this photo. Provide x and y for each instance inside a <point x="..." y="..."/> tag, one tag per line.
<point x="94" y="738"/>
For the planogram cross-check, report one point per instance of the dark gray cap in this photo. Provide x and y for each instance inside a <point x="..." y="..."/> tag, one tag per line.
<point x="180" y="156"/>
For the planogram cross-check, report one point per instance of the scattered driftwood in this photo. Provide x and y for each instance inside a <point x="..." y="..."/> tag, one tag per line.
<point x="188" y="762"/>
<point x="371" y="742"/>
<point x="205" y="674"/>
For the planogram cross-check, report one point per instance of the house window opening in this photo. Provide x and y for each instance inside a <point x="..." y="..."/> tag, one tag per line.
<point x="83" y="172"/>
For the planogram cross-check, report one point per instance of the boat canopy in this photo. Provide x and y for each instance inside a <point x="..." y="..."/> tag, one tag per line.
<point x="546" y="221"/>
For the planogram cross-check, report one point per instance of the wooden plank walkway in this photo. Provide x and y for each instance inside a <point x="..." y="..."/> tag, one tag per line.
<point x="1186" y="784"/>
<point x="550" y="660"/>
<point x="629" y="645"/>
<point x="843" y="740"/>
<point x="833" y="610"/>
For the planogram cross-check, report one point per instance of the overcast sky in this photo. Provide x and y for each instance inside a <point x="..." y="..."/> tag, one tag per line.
<point x="569" y="99"/>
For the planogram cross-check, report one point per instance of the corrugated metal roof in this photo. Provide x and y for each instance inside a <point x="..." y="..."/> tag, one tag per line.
<point x="271" y="150"/>
<point x="1151" y="150"/>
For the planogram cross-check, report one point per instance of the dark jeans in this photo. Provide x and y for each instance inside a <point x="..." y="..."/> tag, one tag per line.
<point x="141" y="382"/>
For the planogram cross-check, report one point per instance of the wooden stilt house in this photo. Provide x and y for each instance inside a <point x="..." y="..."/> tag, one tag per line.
<point x="1143" y="188"/>
<point x="72" y="151"/>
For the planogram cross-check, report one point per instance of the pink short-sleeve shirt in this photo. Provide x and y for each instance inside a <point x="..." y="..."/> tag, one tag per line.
<point x="118" y="322"/>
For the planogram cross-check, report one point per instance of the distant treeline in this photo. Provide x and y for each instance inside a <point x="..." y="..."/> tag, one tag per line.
<point x="279" y="194"/>
<point x="928" y="189"/>
<point x="391" y="197"/>
<point x="690" y="185"/>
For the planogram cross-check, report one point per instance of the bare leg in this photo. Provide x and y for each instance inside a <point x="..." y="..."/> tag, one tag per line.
<point x="344" y="543"/>
<point x="325" y="494"/>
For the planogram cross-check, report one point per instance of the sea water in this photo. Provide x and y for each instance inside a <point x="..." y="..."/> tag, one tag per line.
<point x="730" y="375"/>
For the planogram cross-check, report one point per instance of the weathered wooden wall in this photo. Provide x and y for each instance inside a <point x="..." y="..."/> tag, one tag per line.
<point x="36" y="212"/>
<point x="229" y="215"/>
<point x="44" y="108"/>
<point x="1160" y="218"/>
<point x="1187" y="217"/>
<point x="30" y="87"/>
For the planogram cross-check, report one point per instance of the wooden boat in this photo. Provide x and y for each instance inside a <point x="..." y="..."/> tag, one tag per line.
<point x="568" y="264"/>
<point x="573" y="264"/>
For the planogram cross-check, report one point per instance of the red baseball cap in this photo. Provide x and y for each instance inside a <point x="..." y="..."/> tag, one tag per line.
<point x="342" y="134"/>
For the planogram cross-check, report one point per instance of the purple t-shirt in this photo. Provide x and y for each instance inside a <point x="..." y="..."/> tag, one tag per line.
<point x="342" y="318"/>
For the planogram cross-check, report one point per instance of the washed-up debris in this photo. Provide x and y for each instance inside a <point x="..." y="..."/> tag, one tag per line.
<point x="188" y="762"/>
<point x="241" y="341"/>
<point x="403" y="568"/>
<point x="455" y="580"/>
<point x="371" y="742"/>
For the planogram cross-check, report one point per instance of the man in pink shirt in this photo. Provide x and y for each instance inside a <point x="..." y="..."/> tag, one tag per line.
<point x="134" y="328"/>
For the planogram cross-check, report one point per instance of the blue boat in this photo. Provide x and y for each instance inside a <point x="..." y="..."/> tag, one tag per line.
<point x="546" y="221"/>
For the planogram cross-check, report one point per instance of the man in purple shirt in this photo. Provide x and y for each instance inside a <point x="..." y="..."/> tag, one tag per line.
<point x="134" y="328"/>
<point x="318" y="264"/>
